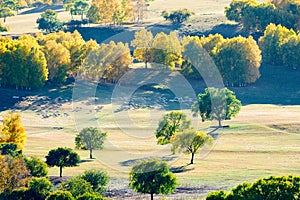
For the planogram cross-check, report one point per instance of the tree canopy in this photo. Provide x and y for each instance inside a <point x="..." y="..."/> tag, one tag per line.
<point x="217" y="104"/>
<point x="177" y="16"/>
<point x="49" y="22"/>
<point x="169" y="125"/>
<point x="12" y="130"/>
<point x="62" y="157"/>
<point x="190" y="141"/>
<point x="152" y="177"/>
<point x="90" y="138"/>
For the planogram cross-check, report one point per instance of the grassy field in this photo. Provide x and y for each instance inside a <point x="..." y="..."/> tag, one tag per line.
<point x="262" y="140"/>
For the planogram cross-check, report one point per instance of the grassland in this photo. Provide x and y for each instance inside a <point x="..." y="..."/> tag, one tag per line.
<point x="262" y="140"/>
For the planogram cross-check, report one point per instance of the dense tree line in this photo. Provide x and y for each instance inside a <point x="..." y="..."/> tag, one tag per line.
<point x="281" y="46"/>
<point x="28" y="62"/>
<point x="256" y="16"/>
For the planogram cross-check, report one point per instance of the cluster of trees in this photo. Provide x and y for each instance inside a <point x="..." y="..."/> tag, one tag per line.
<point x="28" y="62"/>
<point x="281" y="46"/>
<point x="237" y="59"/>
<point x="255" y="16"/>
<point x="273" y="187"/>
<point x="175" y="128"/>
<point x="24" y="177"/>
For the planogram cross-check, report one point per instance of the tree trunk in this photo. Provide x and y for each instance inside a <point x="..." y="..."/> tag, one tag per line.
<point x="91" y="153"/>
<point x="60" y="171"/>
<point x="151" y="196"/>
<point x="192" y="159"/>
<point x="220" y="123"/>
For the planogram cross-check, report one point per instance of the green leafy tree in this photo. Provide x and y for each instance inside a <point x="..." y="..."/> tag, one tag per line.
<point x="217" y="104"/>
<point x="5" y="12"/>
<point x="97" y="178"/>
<point x="60" y="195"/>
<point x="190" y="141"/>
<point x="152" y="177"/>
<point x="49" y="22"/>
<point x="36" y="166"/>
<point x="177" y="16"/>
<point x="80" y="7"/>
<point x="39" y="188"/>
<point x="62" y="157"/>
<point x="171" y="124"/>
<point x="76" y="186"/>
<point x="90" y="138"/>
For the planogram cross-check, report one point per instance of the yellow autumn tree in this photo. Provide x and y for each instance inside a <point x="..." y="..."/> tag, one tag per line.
<point x="12" y="130"/>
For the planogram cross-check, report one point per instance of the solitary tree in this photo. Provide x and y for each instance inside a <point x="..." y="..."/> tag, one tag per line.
<point x="217" y="104"/>
<point x="170" y="124"/>
<point x="177" y="16"/>
<point x="90" y="138"/>
<point x="152" y="177"/>
<point x="190" y="141"/>
<point x="49" y="22"/>
<point x="62" y="157"/>
<point x="12" y="130"/>
<point x="80" y="8"/>
<point x="142" y="42"/>
<point x="5" y="12"/>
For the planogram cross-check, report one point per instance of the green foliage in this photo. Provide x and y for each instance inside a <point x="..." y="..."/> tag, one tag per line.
<point x="60" y="195"/>
<point x="169" y="125"/>
<point x="39" y="188"/>
<point x="10" y="149"/>
<point x="5" y="12"/>
<point x="79" y="7"/>
<point x="152" y="177"/>
<point x="177" y="16"/>
<point x="3" y="28"/>
<point x="190" y="141"/>
<point x="36" y="166"/>
<point x="97" y="178"/>
<point x="257" y="16"/>
<point x="90" y="196"/>
<point x="90" y="138"/>
<point x="217" y="104"/>
<point x="62" y="157"/>
<point x="16" y="194"/>
<point x="76" y="186"/>
<point x="49" y="22"/>
<point x="219" y="195"/>
<point x="272" y="188"/>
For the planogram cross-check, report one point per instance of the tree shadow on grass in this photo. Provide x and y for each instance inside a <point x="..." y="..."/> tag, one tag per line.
<point x="181" y="169"/>
<point x="86" y="160"/>
<point x="43" y="8"/>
